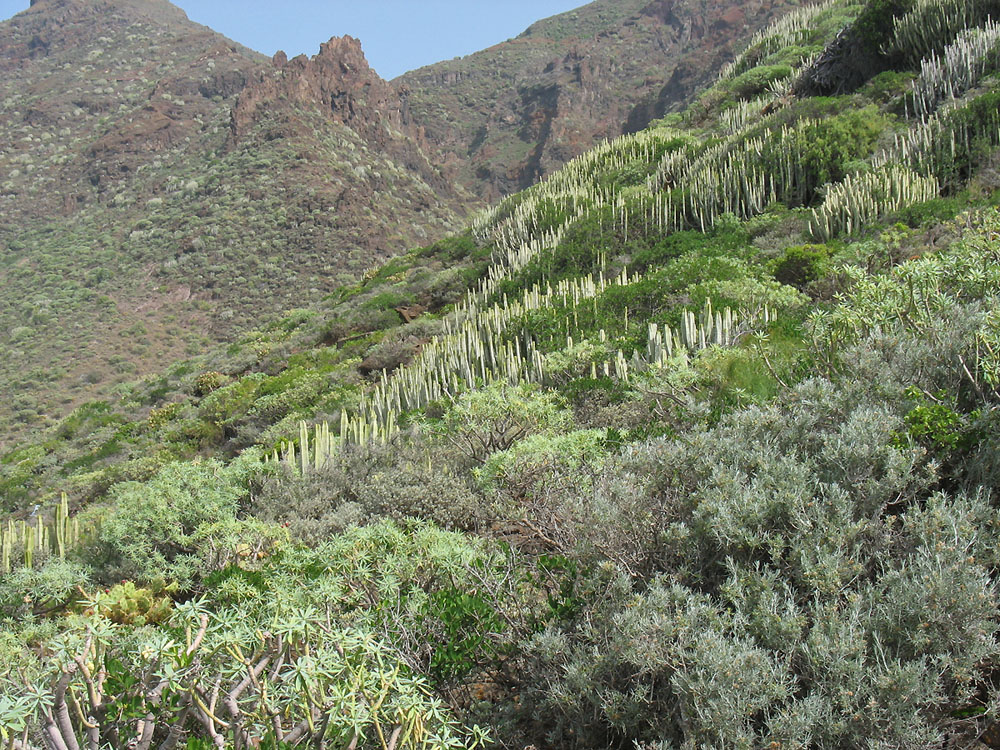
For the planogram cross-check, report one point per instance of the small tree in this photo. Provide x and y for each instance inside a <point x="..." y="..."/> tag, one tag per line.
<point x="485" y="421"/>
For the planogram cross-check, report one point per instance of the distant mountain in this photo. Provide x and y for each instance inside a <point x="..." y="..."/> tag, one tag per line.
<point x="161" y="185"/>
<point x="516" y="111"/>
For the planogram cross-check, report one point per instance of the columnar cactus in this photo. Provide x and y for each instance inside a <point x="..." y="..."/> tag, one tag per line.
<point x="959" y="67"/>
<point x="860" y="199"/>
<point x="53" y="535"/>
<point x="931" y="24"/>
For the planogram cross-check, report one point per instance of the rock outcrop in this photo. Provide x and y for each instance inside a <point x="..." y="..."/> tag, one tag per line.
<point x="340" y="86"/>
<point x="338" y="82"/>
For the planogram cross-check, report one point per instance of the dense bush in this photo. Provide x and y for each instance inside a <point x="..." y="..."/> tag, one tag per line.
<point x="799" y="266"/>
<point x="153" y="529"/>
<point x="492" y="419"/>
<point x="755" y="81"/>
<point x="793" y="561"/>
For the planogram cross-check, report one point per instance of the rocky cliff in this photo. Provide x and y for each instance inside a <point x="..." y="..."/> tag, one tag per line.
<point x="512" y="113"/>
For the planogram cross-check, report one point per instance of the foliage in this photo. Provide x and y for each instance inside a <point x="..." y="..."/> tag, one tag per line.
<point x="29" y="592"/>
<point x="310" y="680"/>
<point x="452" y="605"/>
<point x="772" y="524"/>
<point x="154" y="529"/>
<point x="918" y="295"/>
<point x="518" y="468"/>
<point x="126" y="604"/>
<point x="756" y="80"/>
<point x="492" y="419"/>
<point x="798" y="266"/>
<point x="640" y="468"/>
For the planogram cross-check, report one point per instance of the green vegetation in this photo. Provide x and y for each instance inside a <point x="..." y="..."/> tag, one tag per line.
<point x="693" y="444"/>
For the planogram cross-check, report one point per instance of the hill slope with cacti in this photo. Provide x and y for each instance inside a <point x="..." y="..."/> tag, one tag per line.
<point x="165" y="188"/>
<point x="692" y="444"/>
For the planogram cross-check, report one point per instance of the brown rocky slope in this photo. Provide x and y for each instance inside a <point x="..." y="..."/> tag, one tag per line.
<point x="512" y="113"/>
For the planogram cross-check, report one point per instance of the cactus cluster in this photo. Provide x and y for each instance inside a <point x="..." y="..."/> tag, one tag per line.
<point x="931" y="24"/>
<point x="36" y="536"/>
<point x="513" y="227"/>
<point x="693" y="187"/>
<point x="473" y="352"/>
<point x="733" y="177"/>
<point x="708" y="328"/>
<point x="959" y="67"/>
<point x="941" y="145"/>
<point x="479" y="346"/>
<point x="860" y="199"/>
<point x="742" y="113"/>
<point x="793" y="28"/>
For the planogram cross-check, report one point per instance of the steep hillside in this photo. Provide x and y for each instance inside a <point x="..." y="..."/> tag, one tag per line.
<point x="521" y="109"/>
<point x="693" y="444"/>
<point x="161" y="189"/>
<point x="164" y="187"/>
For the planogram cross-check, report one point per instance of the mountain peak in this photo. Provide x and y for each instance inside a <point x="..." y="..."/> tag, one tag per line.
<point x="338" y="81"/>
<point x="160" y="11"/>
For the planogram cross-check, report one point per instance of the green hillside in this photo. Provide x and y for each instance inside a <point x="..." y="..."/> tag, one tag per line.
<point x="693" y="444"/>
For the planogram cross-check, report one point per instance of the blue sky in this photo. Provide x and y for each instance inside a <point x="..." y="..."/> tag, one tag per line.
<point x="397" y="35"/>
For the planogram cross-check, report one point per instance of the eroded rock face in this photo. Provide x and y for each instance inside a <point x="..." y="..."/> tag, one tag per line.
<point x="521" y="109"/>
<point x="339" y="86"/>
<point x="338" y="81"/>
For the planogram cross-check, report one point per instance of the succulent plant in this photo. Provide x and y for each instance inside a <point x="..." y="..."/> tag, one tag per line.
<point x="860" y="199"/>
<point x="38" y="535"/>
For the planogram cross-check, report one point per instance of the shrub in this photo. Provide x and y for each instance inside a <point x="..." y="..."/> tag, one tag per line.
<point x="126" y="604"/>
<point x="799" y="266"/>
<point x="492" y="419"/>
<point x="790" y="590"/>
<point x="542" y="458"/>
<point x="365" y="484"/>
<point x="48" y="588"/>
<point x="325" y="690"/>
<point x="755" y="81"/>
<point x="163" y="415"/>
<point x="208" y="382"/>
<point x="153" y="531"/>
